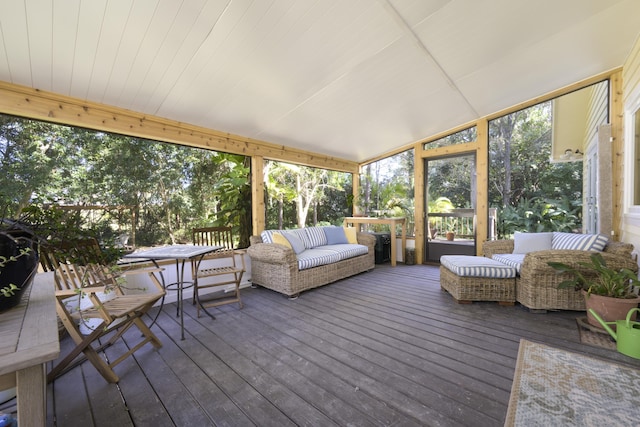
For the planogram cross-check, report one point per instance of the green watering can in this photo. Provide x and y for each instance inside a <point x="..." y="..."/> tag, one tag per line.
<point x="627" y="333"/>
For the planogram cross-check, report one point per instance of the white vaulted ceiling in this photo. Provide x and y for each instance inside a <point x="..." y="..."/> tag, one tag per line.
<point x="345" y="78"/>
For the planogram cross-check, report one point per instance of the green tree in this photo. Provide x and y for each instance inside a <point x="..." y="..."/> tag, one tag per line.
<point x="32" y="156"/>
<point x="522" y="179"/>
<point x="233" y="189"/>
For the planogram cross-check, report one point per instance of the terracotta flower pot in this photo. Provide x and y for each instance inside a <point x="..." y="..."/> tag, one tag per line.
<point x="450" y="235"/>
<point x="610" y="309"/>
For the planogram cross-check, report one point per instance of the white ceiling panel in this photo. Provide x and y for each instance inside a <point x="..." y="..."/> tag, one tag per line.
<point x="89" y="25"/>
<point x="350" y="79"/>
<point x="412" y="85"/>
<point x="416" y="11"/>
<point x="540" y="68"/>
<point x="122" y="79"/>
<point x="458" y="36"/>
<point x="40" y="48"/>
<point x="144" y="70"/>
<point x="15" y="40"/>
<point x="63" y="36"/>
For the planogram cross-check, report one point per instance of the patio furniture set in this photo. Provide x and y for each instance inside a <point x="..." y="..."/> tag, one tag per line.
<point x="96" y="307"/>
<point x="517" y="269"/>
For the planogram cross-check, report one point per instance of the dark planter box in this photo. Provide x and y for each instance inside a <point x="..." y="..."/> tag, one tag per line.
<point x="19" y="272"/>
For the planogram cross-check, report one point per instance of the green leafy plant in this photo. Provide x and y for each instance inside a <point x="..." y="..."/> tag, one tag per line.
<point x="600" y="279"/>
<point x="11" y="289"/>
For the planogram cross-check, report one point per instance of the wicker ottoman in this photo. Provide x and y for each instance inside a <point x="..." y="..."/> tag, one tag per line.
<point x="474" y="278"/>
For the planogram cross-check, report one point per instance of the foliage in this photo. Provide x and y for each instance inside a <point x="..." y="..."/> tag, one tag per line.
<point x="451" y="178"/>
<point x="440" y="205"/>
<point x="295" y="192"/>
<point x="604" y="281"/>
<point x="234" y="190"/>
<point x="153" y="191"/>
<point x="11" y="288"/>
<point x="531" y="193"/>
<point x="16" y="242"/>
<point x="537" y="215"/>
<point x="460" y="137"/>
<point x="387" y="188"/>
<point x="156" y="192"/>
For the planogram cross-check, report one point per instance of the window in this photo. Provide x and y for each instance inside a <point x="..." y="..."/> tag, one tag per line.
<point x="462" y="137"/>
<point x="535" y="180"/>
<point x="387" y="188"/>
<point x="632" y="158"/>
<point x="636" y="150"/>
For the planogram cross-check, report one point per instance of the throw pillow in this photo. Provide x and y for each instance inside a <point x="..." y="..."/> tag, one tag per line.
<point x="524" y="243"/>
<point x="335" y="235"/>
<point x="266" y="235"/>
<point x="294" y="241"/>
<point x="352" y="235"/>
<point x="280" y="239"/>
<point x="315" y="236"/>
<point x="581" y="242"/>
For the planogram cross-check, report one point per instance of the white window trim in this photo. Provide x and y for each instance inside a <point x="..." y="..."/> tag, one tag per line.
<point x="632" y="212"/>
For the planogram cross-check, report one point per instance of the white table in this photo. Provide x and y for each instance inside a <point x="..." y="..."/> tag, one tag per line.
<point x="28" y="340"/>
<point x="181" y="254"/>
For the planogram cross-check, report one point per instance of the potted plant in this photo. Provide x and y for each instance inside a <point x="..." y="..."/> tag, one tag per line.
<point x="452" y="226"/>
<point x="18" y="261"/>
<point x="609" y="292"/>
<point x="20" y="240"/>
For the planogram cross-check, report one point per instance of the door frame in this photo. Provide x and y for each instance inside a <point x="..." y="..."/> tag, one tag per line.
<point x="450" y="248"/>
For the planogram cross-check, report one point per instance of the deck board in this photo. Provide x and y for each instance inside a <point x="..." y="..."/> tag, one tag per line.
<point x="387" y="347"/>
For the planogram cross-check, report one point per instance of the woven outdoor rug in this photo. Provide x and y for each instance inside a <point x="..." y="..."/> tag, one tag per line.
<point x="553" y="387"/>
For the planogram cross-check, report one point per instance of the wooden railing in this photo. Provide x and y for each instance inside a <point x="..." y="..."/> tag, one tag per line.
<point x="460" y="221"/>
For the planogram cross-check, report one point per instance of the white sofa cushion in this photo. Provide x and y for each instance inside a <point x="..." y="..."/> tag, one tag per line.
<point x="512" y="260"/>
<point x="477" y="266"/>
<point x="530" y="242"/>
<point x="576" y="241"/>
<point x="315" y="257"/>
<point x="347" y="250"/>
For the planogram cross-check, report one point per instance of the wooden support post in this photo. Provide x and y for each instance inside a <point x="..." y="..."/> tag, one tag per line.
<point x="258" y="212"/>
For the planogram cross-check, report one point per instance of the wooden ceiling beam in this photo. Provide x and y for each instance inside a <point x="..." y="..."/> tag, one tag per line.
<point x="51" y="107"/>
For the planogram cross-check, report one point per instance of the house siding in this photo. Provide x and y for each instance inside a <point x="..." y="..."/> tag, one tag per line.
<point x="631" y="95"/>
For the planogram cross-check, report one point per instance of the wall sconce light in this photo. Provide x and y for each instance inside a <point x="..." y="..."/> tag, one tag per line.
<point x="570" y="154"/>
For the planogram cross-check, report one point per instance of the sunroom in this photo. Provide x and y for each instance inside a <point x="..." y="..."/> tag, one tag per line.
<point x="339" y="86"/>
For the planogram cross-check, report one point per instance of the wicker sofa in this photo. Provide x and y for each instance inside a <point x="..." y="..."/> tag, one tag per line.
<point x="280" y="268"/>
<point x="537" y="283"/>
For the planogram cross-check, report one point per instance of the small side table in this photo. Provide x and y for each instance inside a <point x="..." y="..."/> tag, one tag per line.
<point x="181" y="254"/>
<point x="28" y="340"/>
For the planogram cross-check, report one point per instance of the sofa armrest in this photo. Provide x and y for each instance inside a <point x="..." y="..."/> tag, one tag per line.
<point x="272" y="253"/>
<point x="492" y="247"/>
<point x="536" y="263"/>
<point x="366" y="239"/>
<point x="619" y="248"/>
<point x="253" y="240"/>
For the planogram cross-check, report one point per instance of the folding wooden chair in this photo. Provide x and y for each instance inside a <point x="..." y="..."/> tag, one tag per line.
<point x="96" y="291"/>
<point x="225" y="272"/>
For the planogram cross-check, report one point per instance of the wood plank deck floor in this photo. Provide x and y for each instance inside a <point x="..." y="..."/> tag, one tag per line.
<point x="386" y="347"/>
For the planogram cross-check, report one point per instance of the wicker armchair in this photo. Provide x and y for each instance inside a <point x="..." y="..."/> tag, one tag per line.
<point x="537" y="284"/>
